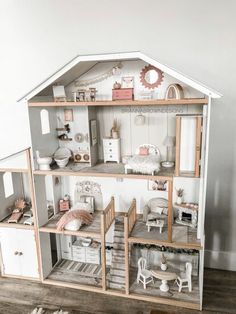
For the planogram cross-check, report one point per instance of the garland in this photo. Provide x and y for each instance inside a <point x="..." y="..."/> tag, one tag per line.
<point x="165" y="249"/>
<point x="99" y="78"/>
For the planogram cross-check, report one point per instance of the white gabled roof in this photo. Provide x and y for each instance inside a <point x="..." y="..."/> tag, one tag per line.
<point x="121" y="56"/>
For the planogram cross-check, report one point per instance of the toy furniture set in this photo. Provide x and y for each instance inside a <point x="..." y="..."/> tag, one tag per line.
<point x="114" y="184"/>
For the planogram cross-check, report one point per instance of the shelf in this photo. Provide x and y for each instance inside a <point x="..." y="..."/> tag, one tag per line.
<point x="19" y="225"/>
<point x="131" y="295"/>
<point x="93" y="230"/>
<point x="16" y="226"/>
<point x="151" y="102"/>
<point x="108" y="170"/>
<point x="177" y="245"/>
<point x="16" y="170"/>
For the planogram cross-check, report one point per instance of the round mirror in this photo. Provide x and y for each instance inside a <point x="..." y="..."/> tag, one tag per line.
<point x="151" y="77"/>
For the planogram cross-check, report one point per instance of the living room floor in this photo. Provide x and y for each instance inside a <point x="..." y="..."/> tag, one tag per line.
<point x="21" y="297"/>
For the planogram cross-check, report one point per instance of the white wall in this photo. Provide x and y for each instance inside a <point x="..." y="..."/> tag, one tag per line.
<point x="195" y="37"/>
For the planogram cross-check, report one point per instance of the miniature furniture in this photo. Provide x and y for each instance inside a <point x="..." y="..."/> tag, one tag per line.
<point x="90" y="254"/>
<point x="164" y="276"/>
<point x="19" y="254"/>
<point x="66" y="246"/>
<point x="111" y="149"/>
<point x="157" y="223"/>
<point x="146" y="160"/>
<point x="190" y="209"/>
<point x="144" y="276"/>
<point x="155" y="208"/>
<point x="186" y="280"/>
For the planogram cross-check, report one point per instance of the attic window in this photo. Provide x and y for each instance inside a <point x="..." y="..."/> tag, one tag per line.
<point x="8" y="184"/>
<point x="45" y="126"/>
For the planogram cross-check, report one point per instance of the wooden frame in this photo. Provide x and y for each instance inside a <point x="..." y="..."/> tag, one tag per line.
<point x="151" y="102"/>
<point x="198" y="140"/>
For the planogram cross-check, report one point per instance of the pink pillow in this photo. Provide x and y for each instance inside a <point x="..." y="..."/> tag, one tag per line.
<point x="144" y="151"/>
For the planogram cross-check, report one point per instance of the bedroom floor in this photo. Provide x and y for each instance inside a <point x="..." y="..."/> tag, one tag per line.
<point x="109" y="167"/>
<point x="21" y="297"/>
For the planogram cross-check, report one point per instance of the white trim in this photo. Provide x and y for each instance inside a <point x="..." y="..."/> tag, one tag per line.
<point x="220" y="260"/>
<point x="118" y="56"/>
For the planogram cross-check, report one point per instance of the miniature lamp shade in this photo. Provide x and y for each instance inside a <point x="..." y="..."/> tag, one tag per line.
<point x="139" y="119"/>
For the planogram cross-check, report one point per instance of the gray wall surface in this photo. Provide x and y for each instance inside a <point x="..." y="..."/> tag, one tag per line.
<point x="198" y="38"/>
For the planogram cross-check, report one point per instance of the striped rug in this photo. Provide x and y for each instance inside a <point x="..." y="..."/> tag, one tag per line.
<point x="85" y="269"/>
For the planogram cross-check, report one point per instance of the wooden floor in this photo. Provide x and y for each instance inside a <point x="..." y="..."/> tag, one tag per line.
<point x="20" y="297"/>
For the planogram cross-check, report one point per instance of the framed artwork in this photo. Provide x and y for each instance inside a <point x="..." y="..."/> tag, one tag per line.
<point x="93" y="130"/>
<point x="157" y="185"/>
<point x="68" y="115"/>
<point x="127" y="82"/>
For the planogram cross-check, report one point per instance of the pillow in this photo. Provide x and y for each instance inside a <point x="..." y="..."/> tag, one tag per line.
<point x="83" y="206"/>
<point x="143" y="151"/>
<point x="165" y="211"/>
<point x="157" y="210"/>
<point x="157" y="202"/>
<point x="73" y="225"/>
<point x="88" y="199"/>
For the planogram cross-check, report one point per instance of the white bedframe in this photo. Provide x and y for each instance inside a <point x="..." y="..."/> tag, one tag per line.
<point x="152" y="165"/>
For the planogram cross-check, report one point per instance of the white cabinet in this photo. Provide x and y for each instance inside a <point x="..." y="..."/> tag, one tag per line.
<point x="91" y="254"/>
<point x="111" y="149"/>
<point x="19" y="254"/>
<point x="66" y="246"/>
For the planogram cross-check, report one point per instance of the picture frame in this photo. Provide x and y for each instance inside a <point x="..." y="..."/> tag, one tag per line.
<point x="127" y="82"/>
<point x="93" y="131"/>
<point x="157" y="185"/>
<point x="68" y="115"/>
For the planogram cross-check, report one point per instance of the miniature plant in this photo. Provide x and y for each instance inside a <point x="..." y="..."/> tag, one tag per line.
<point x="20" y="204"/>
<point x="180" y="192"/>
<point x="115" y="127"/>
<point x="163" y="258"/>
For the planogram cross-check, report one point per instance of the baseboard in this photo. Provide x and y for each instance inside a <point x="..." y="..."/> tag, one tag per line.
<point x="220" y="260"/>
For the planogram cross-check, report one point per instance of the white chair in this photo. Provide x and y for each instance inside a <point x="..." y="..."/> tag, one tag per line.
<point x="144" y="275"/>
<point x="186" y="281"/>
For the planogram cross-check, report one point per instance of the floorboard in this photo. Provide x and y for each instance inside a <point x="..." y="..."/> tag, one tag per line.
<point x="21" y="296"/>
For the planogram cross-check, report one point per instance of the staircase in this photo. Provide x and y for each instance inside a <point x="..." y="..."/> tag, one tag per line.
<point x="117" y="271"/>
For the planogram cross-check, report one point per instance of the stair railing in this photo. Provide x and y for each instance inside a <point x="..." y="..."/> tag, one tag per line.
<point x="129" y="221"/>
<point x="107" y="218"/>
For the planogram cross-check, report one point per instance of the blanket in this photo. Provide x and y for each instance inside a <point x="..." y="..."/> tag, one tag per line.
<point x="71" y="215"/>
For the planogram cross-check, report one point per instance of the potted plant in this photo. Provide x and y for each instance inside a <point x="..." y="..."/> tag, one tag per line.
<point x="180" y="193"/>
<point x="163" y="262"/>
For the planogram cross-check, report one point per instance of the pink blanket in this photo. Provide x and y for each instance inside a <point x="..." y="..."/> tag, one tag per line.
<point x="82" y="215"/>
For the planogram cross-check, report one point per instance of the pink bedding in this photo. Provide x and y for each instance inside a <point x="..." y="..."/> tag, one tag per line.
<point x="82" y="215"/>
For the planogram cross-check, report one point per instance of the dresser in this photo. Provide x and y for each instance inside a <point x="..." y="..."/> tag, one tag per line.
<point x="111" y="149"/>
<point x="90" y="254"/>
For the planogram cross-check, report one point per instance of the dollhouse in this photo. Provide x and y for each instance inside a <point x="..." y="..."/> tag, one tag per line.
<point x="115" y="181"/>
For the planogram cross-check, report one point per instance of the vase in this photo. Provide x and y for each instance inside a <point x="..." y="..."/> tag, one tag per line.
<point x="179" y="200"/>
<point x="115" y="134"/>
<point x="163" y="267"/>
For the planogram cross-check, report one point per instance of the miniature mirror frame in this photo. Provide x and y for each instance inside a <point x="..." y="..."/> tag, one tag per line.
<point x="144" y="72"/>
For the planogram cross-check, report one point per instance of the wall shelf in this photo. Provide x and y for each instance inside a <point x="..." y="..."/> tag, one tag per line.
<point x="151" y="102"/>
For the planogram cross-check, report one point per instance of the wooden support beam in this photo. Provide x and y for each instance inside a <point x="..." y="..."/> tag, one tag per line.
<point x="177" y="147"/>
<point x="170" y="210"/>
<point x="103" y="251"/>
<point x="35" y="213"/>
<point x="126" y="236"/>
<point x="198" y="146"/>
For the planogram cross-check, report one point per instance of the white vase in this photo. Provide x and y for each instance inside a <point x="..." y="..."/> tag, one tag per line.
<point x="179" y="200"/>
<point x="163" y="266"/>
